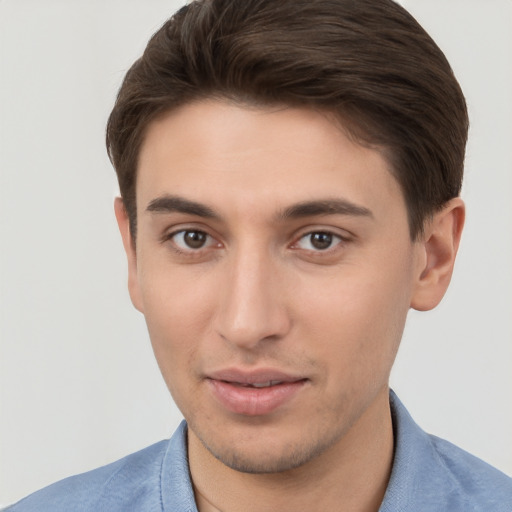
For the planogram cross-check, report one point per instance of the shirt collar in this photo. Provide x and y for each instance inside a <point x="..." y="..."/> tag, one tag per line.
<point x="419" y="478"/>
<point x="175" y="483"/>
<point x="416" y="479"/>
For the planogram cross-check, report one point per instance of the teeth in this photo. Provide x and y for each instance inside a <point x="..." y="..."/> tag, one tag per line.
<point x="265" y="384"/>
<point x="258" y="384"/>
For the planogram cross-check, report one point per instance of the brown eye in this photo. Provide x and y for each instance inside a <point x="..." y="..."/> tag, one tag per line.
<point x="321" y="240"/>
<point x="192" y="239"/>
<point x="195" y="239"/>
<point x="318" y="241"/>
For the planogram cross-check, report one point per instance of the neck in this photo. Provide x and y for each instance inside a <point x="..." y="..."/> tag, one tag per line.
<point x="350" y="475"/>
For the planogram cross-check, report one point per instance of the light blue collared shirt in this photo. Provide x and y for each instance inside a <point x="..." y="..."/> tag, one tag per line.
<point x="428" y="475"/>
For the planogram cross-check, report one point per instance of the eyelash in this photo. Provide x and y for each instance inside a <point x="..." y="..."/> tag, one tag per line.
<point x="336" y="240"/>
<point x="188" y="251"/>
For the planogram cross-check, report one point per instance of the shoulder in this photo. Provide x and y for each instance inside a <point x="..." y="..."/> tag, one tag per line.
<point x="433" y="475"/>
<point x="483" y="486"/>
<point x="134" y="479"/>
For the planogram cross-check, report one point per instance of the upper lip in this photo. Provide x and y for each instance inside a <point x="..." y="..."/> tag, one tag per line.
<point x="254" y="376"/>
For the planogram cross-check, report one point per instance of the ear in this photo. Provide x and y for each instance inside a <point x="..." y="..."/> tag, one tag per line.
<point x="438" y="247"/>
<point x="129" y="247"/>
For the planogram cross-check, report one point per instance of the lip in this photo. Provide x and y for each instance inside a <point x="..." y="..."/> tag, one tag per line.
<point x="231" y="388"/>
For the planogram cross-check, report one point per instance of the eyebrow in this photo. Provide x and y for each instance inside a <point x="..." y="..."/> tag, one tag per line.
<point x="325" y="207"/>
<point x="169" y="204"/>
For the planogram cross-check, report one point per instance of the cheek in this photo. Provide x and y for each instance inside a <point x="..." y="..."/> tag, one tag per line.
<point x="177" y="312"/>
<point x="176" y="300"/>
<point x="356" y="320"/>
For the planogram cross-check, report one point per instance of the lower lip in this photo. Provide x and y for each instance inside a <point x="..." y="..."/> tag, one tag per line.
<point x="251" y="401"/>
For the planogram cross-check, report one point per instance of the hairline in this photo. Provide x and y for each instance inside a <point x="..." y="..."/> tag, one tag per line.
<point x="348" y="127"/>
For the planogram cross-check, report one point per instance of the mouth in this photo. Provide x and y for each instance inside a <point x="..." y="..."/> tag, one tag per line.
<point x="255" y="393"/>
<point x="256" y="384"/>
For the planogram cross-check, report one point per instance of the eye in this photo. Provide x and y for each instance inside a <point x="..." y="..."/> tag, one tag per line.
<point x="318" y="241"/>
<point x="192" y="239"/>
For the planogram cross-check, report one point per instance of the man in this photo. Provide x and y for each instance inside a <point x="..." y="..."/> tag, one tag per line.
<point x="290" y="175"/>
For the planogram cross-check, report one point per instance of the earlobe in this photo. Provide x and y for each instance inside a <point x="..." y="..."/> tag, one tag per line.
<point x="439" y="248"/>
<point x="129" y="247"/>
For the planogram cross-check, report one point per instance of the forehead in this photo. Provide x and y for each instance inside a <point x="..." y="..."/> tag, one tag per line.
<point x="230" y="155"/>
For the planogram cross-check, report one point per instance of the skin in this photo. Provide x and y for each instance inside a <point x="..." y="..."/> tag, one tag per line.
<point x="261" y="292"/>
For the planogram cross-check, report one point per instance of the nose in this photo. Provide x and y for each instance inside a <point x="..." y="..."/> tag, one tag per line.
<point x="253" y="307"/>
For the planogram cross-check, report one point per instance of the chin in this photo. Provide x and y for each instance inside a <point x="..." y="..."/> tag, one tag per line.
<point x="261" y="463"/>
<point x="269" y="456"/>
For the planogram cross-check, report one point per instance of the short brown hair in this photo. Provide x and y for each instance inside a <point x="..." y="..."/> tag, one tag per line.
<point x="368" y="61"/>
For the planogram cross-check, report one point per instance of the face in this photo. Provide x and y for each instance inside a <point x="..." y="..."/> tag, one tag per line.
<point x="275" y="270"/>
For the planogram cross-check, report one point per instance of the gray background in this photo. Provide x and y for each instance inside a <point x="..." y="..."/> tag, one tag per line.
<point x="78" y="383"/>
